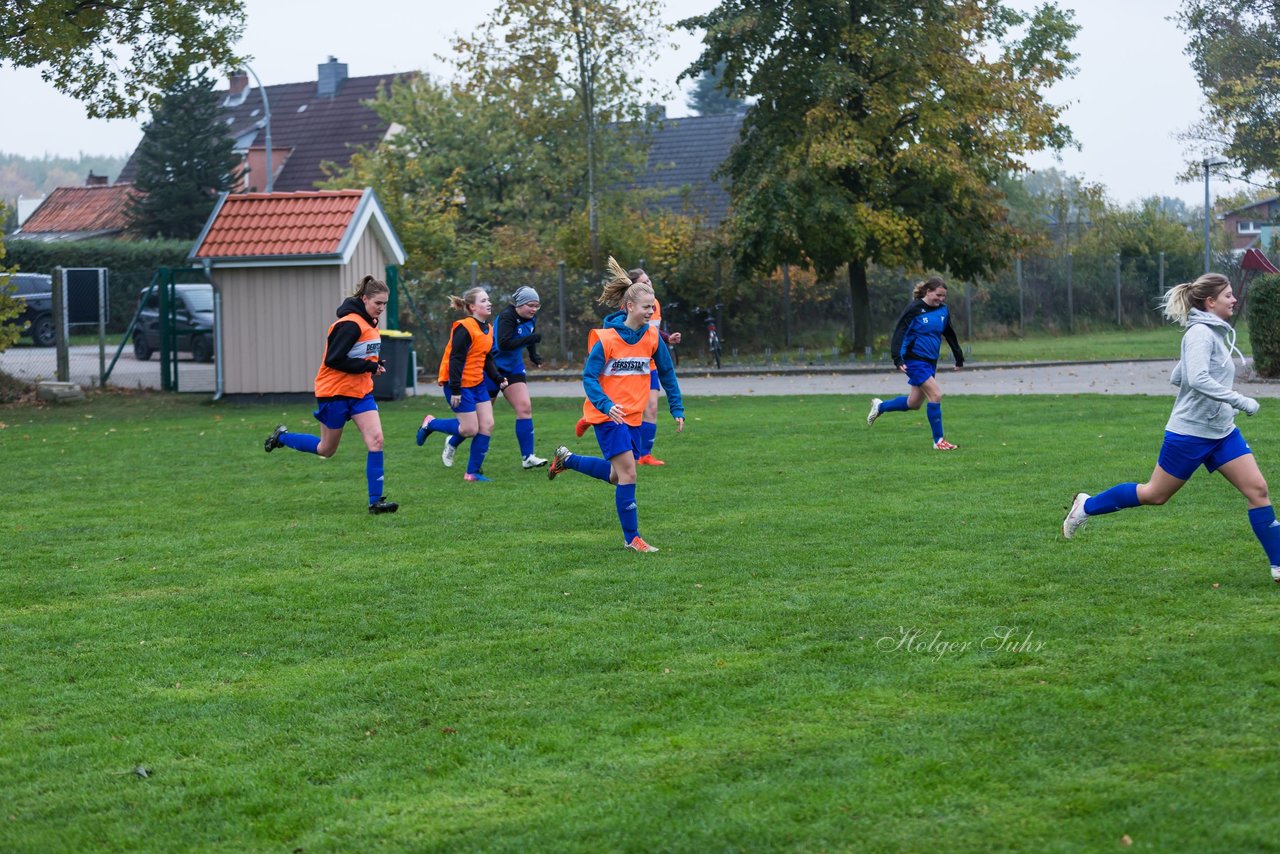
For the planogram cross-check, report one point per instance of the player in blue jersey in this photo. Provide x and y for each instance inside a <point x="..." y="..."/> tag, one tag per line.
<point x="917" y="343"/>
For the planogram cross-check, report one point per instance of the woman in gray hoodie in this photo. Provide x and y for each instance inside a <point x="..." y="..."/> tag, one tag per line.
<point x="1201" y="429"/>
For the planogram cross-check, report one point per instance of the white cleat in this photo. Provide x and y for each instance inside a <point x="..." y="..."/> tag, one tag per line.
<point x="1076" y="517"/>
<point x="1275" y="574"/>
<point x="532" y="462"/>
<point x="446" y="456"/>
<point x="875" y="411"/>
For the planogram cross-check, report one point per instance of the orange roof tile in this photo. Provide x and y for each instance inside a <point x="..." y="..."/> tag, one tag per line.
<point x="81" y="209"/>
<point x="276" y="224"/>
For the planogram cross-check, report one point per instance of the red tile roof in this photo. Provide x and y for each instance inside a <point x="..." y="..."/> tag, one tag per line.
<point x="81" y="209"/>
<point x="267" y="225"/>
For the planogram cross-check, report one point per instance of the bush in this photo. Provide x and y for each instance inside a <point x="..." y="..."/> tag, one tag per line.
<point x="1264" y="324"/>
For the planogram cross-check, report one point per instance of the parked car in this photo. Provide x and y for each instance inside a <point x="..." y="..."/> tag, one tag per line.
<point x="36" y="291"/>
<point x="194" y="323"/>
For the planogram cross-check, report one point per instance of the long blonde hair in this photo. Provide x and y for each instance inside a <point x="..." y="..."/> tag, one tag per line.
<point x="468" y="299"/>
<point x="619" y="288"/>
<point x="1177" y="303"/>
<point x="931" y="284"/>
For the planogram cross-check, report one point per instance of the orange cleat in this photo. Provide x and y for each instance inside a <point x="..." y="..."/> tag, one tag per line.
<point x="944" y="445"/>
<point x="639" y="545"/>
<point x="581" y="427"/>
<point x="649" y="460"/>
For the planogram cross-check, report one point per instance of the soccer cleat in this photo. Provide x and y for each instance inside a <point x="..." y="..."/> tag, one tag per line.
<point x="639" y="545"/>
<point x="649" y="460"/>
<point x="382" y="505"/>
<point x="581" y="427"/>
<point x="1076" y="517"/>
<point x="557" y="462"/>
<point x="532" y="462"/>
<point x="446" y="456"/>
<point x="425" y="430"/>
<point x="476" y="478"/>
<point x="1275" y="574"/>
<point x="875" y="411"/>
<point x="273" y="441"/>
<point x="944" y="445"/>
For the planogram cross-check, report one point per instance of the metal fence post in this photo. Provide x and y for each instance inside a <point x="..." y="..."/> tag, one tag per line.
<point x="968" y="310"/>
<point x="786" y="305"/>
<point x="475" y="273"/>
<point x="62" y="361"/>
<point x="1119" y="314"/>
<point x="1162" y="274"/>
<point x="393" y="298"/>
<point x="564" y="346"/>
<point x="1071" y="308"/>
<point x="1022" y="308"/>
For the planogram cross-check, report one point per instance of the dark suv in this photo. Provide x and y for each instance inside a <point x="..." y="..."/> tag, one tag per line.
<point x="194" y="328"/>
<point x="36" y="292"/>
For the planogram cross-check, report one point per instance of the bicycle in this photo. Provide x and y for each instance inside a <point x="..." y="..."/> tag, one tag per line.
<point x="713" y="336"/>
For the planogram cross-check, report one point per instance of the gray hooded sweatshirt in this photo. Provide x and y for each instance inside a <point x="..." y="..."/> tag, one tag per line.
<point x="1206" y="404"/>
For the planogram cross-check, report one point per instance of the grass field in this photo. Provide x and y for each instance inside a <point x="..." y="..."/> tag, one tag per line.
<point x="1156" y="343"/>
<point x="848" y="641"/>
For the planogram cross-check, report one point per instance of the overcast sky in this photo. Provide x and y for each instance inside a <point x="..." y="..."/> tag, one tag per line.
<point x="1133" y="94"/>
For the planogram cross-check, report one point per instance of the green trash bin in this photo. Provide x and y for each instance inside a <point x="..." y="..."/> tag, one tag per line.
<point x="397" y="352"/>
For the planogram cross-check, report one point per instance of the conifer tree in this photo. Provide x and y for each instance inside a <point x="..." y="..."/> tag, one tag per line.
<point x="185" y="160"/>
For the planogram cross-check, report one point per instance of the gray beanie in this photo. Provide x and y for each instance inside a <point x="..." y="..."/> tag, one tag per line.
<point x="523" y="295"/>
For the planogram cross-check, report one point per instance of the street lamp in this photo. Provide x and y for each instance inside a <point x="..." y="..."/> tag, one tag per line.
<point x="1209" y="163"/>
<point x="266" y="110"/>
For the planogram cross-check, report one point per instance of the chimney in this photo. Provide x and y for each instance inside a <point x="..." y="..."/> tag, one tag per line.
<point x="329" y="77"/>
<point x="237" y="82"/>
<point x="96" y="180"/>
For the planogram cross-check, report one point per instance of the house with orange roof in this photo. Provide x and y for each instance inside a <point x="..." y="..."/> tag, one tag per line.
<point x="97" y="209"/>
<point x="281" y="264"/>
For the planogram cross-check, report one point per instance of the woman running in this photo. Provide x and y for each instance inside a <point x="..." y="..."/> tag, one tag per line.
<point x="516" y="333"/>
<point x="344" y="388"/>
<point x="616" y="380"/>
<point x="467" y="360"/>
<point x="917" y="343"/>
<point x="1201" y="429"/>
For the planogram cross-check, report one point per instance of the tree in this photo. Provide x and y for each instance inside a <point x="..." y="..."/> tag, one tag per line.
<point x="570" y="72"/>
<point x="879" y="129"/>
<point x="709" y="97"/>
<point x="185" y="160"/>
<point x="117" y="55"/>
<point x="1235" y="51"/>
<point x="10" y="308"/>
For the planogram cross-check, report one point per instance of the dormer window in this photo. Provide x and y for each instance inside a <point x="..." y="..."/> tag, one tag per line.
<point x="303" y="108"/>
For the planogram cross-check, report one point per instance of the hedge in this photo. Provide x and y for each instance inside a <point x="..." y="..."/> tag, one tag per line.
<point x="1264" y="324"/>
<point x="131" y="265"/>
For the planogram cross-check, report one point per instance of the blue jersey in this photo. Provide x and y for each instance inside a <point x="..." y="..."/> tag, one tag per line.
<point x="919" y="334"/>
<point x="510" y="330"/>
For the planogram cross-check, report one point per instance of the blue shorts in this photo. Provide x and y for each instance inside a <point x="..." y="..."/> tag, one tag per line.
<point x="1181" y="455"/>
<point x="615" y="439"/>
<point x="919" y="372"/>
<point x="471" y="395"/>
<point x="654" y="385"/>
<point x="335" y="414"/>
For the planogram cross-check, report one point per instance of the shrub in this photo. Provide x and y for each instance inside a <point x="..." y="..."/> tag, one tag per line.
<point x="1264" y="324"/>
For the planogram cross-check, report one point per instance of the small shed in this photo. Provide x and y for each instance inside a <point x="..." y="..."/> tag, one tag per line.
<point x="283" y="263"/>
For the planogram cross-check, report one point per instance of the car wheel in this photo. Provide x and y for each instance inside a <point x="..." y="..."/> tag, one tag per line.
<point x="42" y="331"/>
<point x="202" y="348"/>
<point x="141" y="350"/>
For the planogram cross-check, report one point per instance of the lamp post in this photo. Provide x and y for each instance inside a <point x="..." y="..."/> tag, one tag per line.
<point x="266" y="110"/>
<point x="1208" y="163"/>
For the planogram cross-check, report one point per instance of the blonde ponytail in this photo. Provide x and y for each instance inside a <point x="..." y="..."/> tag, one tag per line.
<point x="1177" y="303"/>
<point x="468" y="299"/>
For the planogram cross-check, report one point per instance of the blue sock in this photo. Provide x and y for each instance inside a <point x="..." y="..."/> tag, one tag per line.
<point x="596" y="467"/>
<point x="524" y="435"/>
<point x="457" y="441"/>
<point x="1122" y="496"/>
<point x="444" y="425"/>
<point x="479" y="447"/>
<point x="1267" y="530"/>
<point x="304" y="442"/>
<point x="648" y="435"/>
<point x="898" y="404"/>
<point x="625" y="499"/>
<point x="373" y="474"/>
<point x="934" y="411"/>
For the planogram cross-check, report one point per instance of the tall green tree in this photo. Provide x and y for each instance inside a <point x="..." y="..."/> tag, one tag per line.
<point x="569" y="71"/>
<point x="116" y="56"/>
<point x="708" y="96"/>
<point x="1234" y="47"/>
<point x="185" y="160"/>
<point x="880" y="128"/>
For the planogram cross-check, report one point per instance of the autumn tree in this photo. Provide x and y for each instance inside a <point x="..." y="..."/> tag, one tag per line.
<point x="115" y="56"/>
<point x="878" y="129"/>
<point x="185" y="160"/>
<point x="1234" y="47"/>
<point x="571" y="74"/>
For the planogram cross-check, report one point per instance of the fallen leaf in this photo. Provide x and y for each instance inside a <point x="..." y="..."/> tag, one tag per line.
<point x="1125" y="840"/>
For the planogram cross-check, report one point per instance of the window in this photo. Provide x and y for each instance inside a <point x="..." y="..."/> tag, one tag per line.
<point x="1246" y="226"/>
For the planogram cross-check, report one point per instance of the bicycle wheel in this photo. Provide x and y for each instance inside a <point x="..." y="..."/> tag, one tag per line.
<point x="715" y="349"/>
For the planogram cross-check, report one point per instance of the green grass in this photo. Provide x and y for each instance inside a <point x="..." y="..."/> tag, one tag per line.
<point x="1156" y="343"/>
<point x="487" y="670"/>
